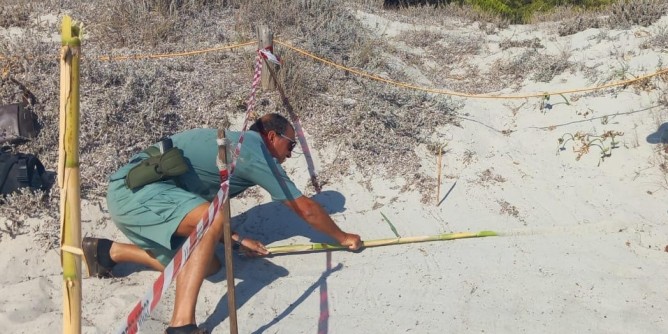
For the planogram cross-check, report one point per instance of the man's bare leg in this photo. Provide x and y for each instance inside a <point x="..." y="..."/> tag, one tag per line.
<point x="121" y="252"/>
<point x="189" y="281"/>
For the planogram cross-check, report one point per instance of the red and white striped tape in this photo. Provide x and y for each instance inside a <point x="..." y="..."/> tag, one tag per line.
<point x="147" y="304"/>
<point x="323" y="320"/>
<point x="307" y="152"/>
<point x="267" y="54"/>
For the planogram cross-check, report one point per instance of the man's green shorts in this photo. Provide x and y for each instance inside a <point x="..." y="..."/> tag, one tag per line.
<point x="154" y="210"/>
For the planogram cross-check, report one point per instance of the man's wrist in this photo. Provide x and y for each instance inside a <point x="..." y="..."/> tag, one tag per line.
<point x="236" y="237"/>
<point x="343" y="237"/>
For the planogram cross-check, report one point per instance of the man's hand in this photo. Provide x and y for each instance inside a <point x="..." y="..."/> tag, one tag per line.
<point x="252" y="248"/>
<point x="352" y="241"/>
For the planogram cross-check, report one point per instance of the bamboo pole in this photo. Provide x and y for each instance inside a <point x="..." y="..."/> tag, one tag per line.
<point x="287" y="249"/>
<point x="68" y="176"/>
<point x="227" y="237"/>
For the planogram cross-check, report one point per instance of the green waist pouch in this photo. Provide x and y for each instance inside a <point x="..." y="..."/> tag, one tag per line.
<point x="157" y="168"/>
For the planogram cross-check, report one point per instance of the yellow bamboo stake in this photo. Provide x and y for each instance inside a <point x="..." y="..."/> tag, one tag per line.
<point x="68" y="177"/>
<point x="289" y="249"/>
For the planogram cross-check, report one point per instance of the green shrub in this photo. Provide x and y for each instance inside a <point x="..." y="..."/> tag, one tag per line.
<point x="521" y="11"/>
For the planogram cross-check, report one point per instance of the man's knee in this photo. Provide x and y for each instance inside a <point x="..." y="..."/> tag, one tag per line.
<point x="189" y="222"/>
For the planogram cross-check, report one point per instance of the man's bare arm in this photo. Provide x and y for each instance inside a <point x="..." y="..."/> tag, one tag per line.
<point x="316" y="216"/>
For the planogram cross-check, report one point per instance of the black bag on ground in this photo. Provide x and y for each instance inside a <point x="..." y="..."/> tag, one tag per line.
<point x="19" y="170"/>
<point x="16" y="123"/>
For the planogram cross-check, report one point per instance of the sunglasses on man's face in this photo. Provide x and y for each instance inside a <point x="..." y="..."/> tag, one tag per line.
<point x="293" y="142"/>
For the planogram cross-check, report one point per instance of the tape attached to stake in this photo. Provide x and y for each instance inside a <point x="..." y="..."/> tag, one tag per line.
<point x="268" y="55"/>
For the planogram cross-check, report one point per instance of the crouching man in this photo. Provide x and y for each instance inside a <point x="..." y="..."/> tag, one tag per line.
<point x="157" y="217"/>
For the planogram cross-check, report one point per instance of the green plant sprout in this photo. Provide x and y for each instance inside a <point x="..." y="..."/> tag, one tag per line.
<point x="394" y="230"/>
<point x="585" y="141"/>
<point x="544" y="104"/>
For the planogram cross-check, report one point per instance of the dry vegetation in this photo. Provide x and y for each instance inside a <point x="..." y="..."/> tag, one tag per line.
<point x="127" y="105"/>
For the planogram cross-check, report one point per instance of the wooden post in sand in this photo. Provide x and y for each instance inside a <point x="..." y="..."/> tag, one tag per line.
<point x="266" y="41"/>
<point x="68" y="177"/>
<point x="439" y="161"/>
<point x="227" y="235"/>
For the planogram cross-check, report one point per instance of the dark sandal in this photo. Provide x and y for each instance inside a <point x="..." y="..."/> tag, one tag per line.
<point x="95" y="269"/>
<point x="187" y="329"/>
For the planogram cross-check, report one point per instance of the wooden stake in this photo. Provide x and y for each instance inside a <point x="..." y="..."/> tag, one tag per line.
<point x="266" y="40"/>
<point x="227" y="238"/>
<point x="69" y="177"/>
<point x="439" y="161"/>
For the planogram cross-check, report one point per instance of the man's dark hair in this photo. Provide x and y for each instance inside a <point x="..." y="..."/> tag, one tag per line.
<point x="271" y="122"/>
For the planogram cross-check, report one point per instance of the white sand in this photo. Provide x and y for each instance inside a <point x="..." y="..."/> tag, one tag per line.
<point x="583" y="250"/>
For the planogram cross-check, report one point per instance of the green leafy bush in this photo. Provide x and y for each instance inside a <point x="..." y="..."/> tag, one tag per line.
<point x="516" y="11"/>
<point x="521" y="11"/>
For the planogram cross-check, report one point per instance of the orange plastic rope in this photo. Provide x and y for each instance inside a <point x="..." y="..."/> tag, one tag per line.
<point x="174" y="55"/>
<point x="477" y="96"/>
<point x="159" y="56"/>
<point x="376" y="77"/>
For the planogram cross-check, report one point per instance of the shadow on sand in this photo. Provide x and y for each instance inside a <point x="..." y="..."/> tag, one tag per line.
<point x="660" y="136"/>
<point x="269" y="223"/>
